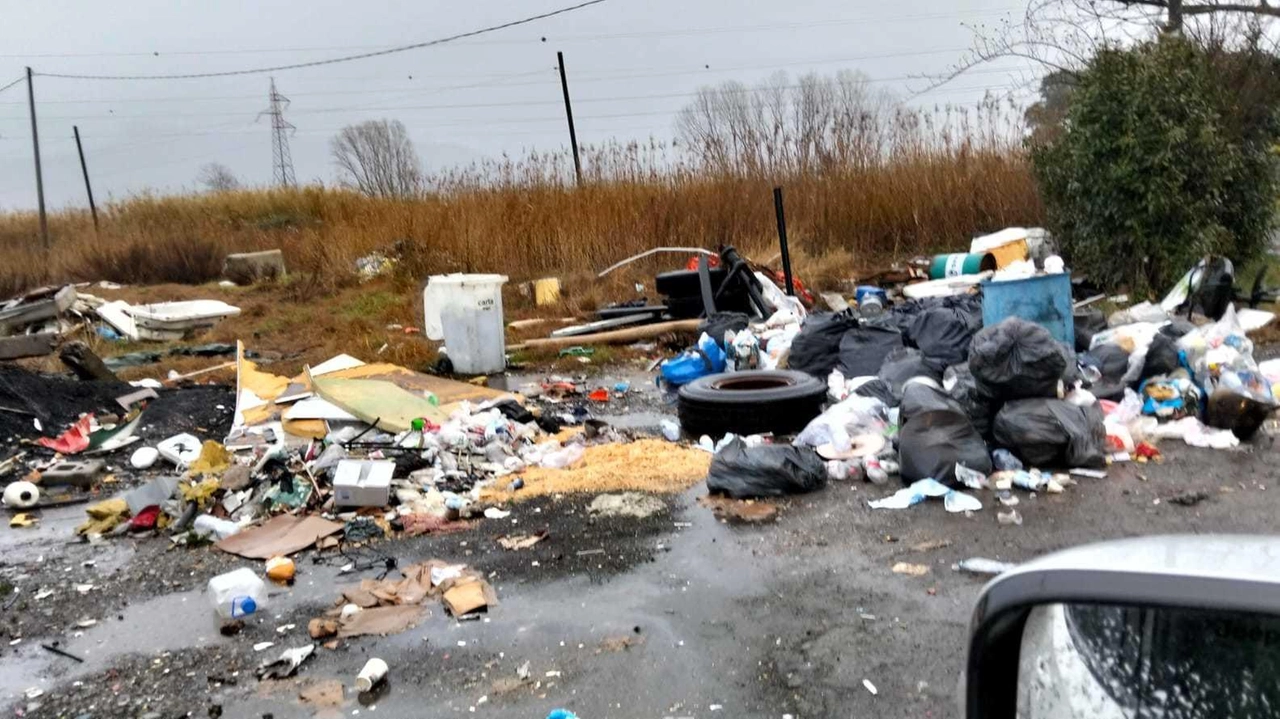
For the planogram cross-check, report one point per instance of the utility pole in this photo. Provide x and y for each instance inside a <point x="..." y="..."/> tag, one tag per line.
<point x="281" y="159"/>
<point x="568" y="111"/>
<point x="85" y="169"/>
<point x="35" y="143"/>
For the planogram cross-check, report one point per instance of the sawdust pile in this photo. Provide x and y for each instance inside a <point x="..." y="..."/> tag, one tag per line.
<point x="646" y="465"/>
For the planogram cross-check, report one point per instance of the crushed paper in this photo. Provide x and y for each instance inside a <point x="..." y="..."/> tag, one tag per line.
<point x="646" y="465"/>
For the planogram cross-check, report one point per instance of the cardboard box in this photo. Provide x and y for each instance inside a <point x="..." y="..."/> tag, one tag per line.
<point x="363" y="482"/>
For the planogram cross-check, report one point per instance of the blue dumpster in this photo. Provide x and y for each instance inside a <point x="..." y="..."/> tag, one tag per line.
<point x="1045" y="300"/>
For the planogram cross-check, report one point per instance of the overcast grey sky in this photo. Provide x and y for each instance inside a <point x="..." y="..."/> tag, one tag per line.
<point x="631" y="66"/>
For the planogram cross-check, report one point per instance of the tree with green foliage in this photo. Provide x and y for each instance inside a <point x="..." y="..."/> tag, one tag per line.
<point x="1156" y="166"/>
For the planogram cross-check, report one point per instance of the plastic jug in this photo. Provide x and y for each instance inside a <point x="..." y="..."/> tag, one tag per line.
<point x="472" y="320"/>
<point x="237" y="594"/>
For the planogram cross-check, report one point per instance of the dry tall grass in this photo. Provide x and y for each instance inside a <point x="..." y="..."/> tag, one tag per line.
<point x="928" y="190"/>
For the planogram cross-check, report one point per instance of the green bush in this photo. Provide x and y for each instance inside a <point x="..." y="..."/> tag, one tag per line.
<point x="1156" y="166"/>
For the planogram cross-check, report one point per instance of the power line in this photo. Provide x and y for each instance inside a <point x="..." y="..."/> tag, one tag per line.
<point x="487" y="105"/>
<point x="560" y="38"/>
<point x="335" y="60"/>
<point x="15" y="82"/>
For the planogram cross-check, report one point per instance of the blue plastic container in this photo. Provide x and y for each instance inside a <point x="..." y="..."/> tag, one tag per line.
<point x="1045" y="300"/>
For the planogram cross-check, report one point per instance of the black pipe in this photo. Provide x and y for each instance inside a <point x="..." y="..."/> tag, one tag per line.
<point x="782" y="240"/>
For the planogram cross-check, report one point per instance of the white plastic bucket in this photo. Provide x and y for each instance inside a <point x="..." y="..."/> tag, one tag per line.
<point x="471" y="321"/>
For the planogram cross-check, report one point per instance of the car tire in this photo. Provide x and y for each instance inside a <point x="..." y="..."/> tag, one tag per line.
<point x="685" y="283"/>
<point x="750" y="402"/>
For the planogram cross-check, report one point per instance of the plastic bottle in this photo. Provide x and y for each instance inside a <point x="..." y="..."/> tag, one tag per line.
<point x="876" y="473"/>
<point x="237" y="594"/>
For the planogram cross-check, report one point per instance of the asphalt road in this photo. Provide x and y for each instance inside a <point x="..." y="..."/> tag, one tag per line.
<point x="682" y="616"/>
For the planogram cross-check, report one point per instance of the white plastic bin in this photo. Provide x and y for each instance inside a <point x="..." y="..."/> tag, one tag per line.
<point x="471" y="321"/>
<point x="434" y="296"/>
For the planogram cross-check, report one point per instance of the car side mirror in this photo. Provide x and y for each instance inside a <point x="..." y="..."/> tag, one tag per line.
<point x="1175" y="626"/>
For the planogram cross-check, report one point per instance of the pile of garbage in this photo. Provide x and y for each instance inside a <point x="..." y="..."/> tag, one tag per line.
<point x="991" y="377"/>
<point x="34" y="324"/>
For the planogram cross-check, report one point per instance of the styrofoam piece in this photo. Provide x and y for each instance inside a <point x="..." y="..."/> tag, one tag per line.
<point x="363" y="482"/>
<point x="180" y="449"/>
<point x="318" y="408"/>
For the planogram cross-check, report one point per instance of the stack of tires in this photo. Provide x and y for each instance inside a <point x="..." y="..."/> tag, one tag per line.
<point x="683" y="292"/>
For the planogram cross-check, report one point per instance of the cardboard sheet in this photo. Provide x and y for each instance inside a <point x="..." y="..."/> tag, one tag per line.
<point x="281" y="535"/>
<point x="382" y="621"/>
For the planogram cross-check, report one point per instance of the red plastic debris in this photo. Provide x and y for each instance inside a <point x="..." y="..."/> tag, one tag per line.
<point x="1146" y="451"/>
<point x="599" y="395"/>
<point x="146" y="519"/>
<point x="73" y="441"/>
<point x="692" y="264"/>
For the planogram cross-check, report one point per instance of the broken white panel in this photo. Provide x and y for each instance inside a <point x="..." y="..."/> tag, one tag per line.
<point x="317" y="408"/>
<point x="335" y="364"/>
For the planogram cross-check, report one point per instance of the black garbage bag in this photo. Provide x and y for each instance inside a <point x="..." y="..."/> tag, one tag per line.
<point x="878" y="388"/>
<point x="944" y="334"/>
<point x="1052" y="433"/>
<point x="1110" y="362"/>
<point x="1162" y="356"/>
<point x="816" y="349"/>
<point x="903" y="364"/>
<point x="980" y="407"/>
<point x="769" y="470"/>
<point x="863" y="349"/>
<point x="1177" y="327"/>
<point x="721" y="322"/>
<point x="1216" y="290"/>
<point x="1088" y="322"/>
<point x="934" y="434"/>
<point x="1017" y="359"/>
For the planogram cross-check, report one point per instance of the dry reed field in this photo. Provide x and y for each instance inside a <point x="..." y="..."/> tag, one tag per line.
<point x="916" y="186"/>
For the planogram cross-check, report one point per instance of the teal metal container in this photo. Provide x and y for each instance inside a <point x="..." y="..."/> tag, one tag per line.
<point x="1045" y="300"/>
<point x="961" y="264"/>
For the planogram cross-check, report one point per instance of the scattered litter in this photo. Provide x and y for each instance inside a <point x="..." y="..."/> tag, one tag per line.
<point x="521" y="541"/>
<point x="373" y="672"/>
<point x="914" y="570"/>
<point x="981" y="565"/>
<point x="870" y="687"/>
<point x="286" y="664"/>
<point x="1009" y="518"/>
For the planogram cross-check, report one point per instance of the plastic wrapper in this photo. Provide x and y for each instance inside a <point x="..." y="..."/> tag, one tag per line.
<point x="1052" y="432"/>
<point x="773" y="470"/>
<point x="935" y="435"/>
<point x="1016" y="360"/>
<point x="1171" y="396"/>
<point x="854" y="416"/>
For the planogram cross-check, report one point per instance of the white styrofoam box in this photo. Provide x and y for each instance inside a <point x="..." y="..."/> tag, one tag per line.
<point x="363" y="482"/>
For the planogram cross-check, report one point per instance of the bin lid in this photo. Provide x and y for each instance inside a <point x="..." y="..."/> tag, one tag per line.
<point x="462" y="279"/>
